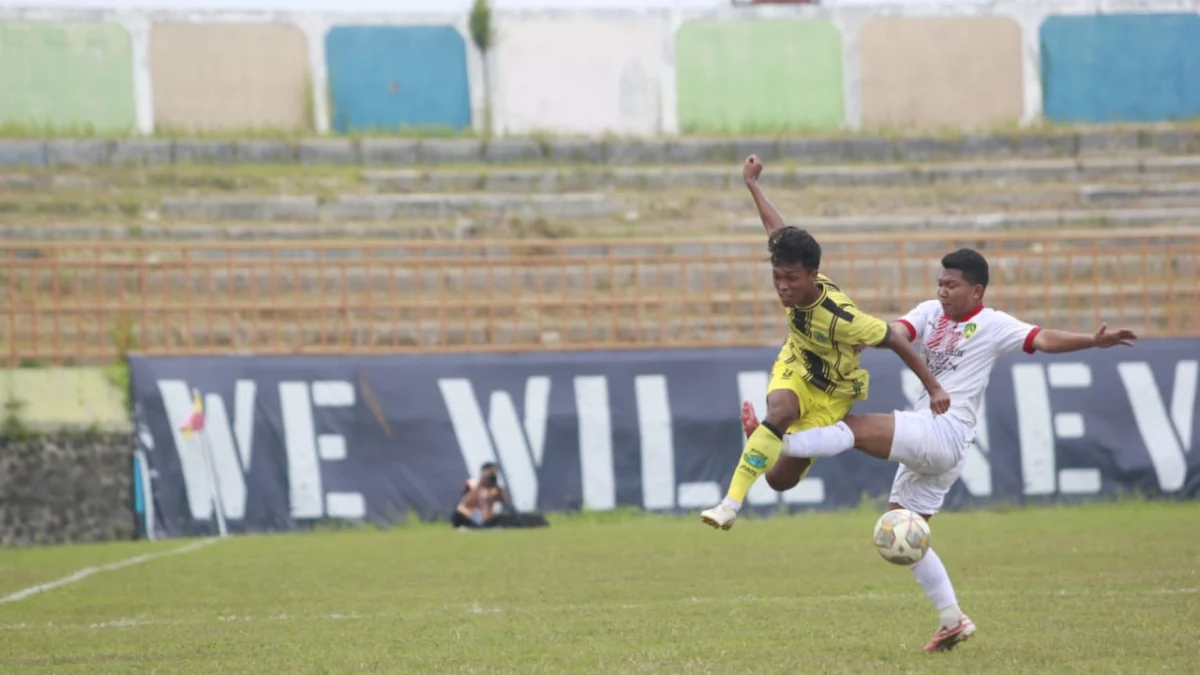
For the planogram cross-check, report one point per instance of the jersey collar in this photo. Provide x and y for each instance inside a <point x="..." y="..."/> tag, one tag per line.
<point x="971" y="314"/>
<point x="820" y="298"/>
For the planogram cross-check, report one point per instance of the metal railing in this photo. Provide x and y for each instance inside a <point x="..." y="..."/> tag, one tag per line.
<point x="87" y="302"/>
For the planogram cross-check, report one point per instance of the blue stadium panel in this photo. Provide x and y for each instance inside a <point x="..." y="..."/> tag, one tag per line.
<point x="1121" y="68"/>
<point x="388" y="77"/>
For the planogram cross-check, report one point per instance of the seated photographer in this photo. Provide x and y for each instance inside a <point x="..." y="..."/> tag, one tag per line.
<point x="479" y="495"/>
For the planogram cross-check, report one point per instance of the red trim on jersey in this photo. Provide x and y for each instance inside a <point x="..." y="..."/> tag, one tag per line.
<point x="971" y="314"/>
<point x="1028" y="347"/>
<point x="912" y="331"/>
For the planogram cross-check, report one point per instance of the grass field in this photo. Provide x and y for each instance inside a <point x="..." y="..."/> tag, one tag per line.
<point x="1094" y="589"/>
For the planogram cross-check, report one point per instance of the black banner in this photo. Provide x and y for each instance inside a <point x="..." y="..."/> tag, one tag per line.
<point x="303" y="438"/>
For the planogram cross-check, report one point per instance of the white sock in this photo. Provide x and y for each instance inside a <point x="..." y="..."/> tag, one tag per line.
<point x="819" y="442"/>
<point x="931" y="575"/>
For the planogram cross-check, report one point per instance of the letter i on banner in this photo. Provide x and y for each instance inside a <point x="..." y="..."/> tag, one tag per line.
<point x="195" y="424"/>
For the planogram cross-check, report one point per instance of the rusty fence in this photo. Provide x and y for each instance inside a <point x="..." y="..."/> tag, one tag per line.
<point x="88" y="302"/>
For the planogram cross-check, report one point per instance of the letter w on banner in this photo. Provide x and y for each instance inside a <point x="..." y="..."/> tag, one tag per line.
<point x="1166" y="429"/>
<point x="213" y="469"/>
<point x="517" y="444"/>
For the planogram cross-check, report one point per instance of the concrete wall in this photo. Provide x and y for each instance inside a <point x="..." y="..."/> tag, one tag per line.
<point x="758" y="76"/>
<point x="72" y="479"/>
<point x="941" y="71"/>
<point x="767" y="69"/>
<point x="580" y="75"/>
<point x="66" y="75"/>
<point x="229" y="76"/>
<point x="1136" y="68"/>
<point x="391" y="77"/>
<point x="66" y="488"/>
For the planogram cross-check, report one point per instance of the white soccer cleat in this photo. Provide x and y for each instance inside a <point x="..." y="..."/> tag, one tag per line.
<point x="949" y="637"/>
<point x="720" y="516"/>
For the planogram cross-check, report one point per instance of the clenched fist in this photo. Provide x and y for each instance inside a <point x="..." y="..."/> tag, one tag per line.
<point x="752" y="169"/>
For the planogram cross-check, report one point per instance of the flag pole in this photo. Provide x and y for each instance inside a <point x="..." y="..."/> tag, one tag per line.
<point x="218" y="506"/>
<point x="195" y="424"/>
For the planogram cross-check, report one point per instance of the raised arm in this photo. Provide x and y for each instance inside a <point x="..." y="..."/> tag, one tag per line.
<point x="771" y="219"/>
<point x="1061" y="341"/>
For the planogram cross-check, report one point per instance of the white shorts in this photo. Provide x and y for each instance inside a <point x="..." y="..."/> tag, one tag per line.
<point x="930" y="451"/>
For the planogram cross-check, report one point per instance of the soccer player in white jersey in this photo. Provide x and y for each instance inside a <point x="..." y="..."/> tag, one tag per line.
<point x="961" y="341"/>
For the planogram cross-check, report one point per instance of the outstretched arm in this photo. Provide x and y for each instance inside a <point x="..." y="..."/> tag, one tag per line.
<point x="1061" y="342"/>
<point x="897" y="341"/>
<point x="771" y="219"/>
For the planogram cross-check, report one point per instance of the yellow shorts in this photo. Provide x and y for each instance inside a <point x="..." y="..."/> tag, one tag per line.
<point x="817" y="409"/>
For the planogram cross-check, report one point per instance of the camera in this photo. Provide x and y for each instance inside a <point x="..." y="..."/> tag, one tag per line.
<point x="490" y="480"/>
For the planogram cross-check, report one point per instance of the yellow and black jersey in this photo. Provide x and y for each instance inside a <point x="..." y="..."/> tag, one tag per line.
<point x="822" y="338"/>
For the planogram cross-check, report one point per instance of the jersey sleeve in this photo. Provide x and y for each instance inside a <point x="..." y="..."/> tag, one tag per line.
<point x="917" y="320"/>
<point x="1012" y="334"/>
<point x="864" y="329"/>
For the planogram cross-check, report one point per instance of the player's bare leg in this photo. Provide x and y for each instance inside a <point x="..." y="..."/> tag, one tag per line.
<point x="873" y="434"/>
<point x="788" y="471"/>
<point x="760" y="455"/>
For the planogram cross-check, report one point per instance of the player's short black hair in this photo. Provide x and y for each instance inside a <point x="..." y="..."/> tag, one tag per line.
<point x="487" y="465"/>
<point x="972" y="265"/>
<point x="791" y="245"/>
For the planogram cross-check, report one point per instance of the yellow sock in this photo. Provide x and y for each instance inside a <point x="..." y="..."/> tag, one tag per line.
<point x="761" y="453"/>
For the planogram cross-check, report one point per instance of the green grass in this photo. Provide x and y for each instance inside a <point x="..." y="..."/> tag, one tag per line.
<point x="1096" y="589"/>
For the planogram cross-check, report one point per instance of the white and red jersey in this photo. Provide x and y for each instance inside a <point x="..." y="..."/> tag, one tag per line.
<point x="961" y="353"/>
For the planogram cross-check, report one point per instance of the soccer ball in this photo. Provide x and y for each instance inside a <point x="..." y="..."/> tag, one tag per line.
<point x="901" y="537"/>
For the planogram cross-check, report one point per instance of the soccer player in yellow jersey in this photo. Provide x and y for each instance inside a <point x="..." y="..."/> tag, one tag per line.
<point x="816" y="378"/>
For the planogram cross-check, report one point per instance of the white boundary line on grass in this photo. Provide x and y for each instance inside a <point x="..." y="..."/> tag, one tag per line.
<point x="89" y="571"/>
<point x="476" y="609"/>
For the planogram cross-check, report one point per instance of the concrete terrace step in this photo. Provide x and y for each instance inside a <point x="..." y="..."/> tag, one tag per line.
<point x="387" y="207"/>
<point x="683" y="150"/>
<point x="1005" y="220"/>
<point x="1108" y="194"/>
<point x="850" y="194"/>
<point x="1067" y="273"/>
<point x="730" y="177"/>
<point x="750" y="301"/>
<point x="695" y="206"/>
<point x="586" y="178"/>
<point x="1032" y="221"/>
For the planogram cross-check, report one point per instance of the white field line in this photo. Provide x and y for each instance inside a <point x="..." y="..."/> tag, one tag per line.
<point x="477" y="609"/>
<point x="89" y="571"/>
